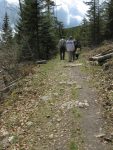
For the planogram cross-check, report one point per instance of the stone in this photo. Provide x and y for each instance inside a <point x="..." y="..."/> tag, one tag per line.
<point x="29" y="123"/>
<point x="52" y="104"/>
<point x="96" y="101"/>
<point x="62" y="82"/>
<point x="78" y="87"/>
<point x="55" y="130"/>
<point x="11" y="139"/>
<point x="45" y="98"/>
<point x="73" y="65"/>
<point x="59" y="119"/>
<point x="51" y="136"/>
<point x="86" y="104"/>
<point x="71" y="82"/>
<point x="101" y="135"/>
<point x="81" y="105"/>
<point x="55" y="94"/>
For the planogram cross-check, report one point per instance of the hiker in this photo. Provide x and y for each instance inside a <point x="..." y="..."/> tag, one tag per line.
<point x="78" y="49"/>
<point x="74" y="52"/>
<point x="70" y="48"/>
<point x="62" y="48"/>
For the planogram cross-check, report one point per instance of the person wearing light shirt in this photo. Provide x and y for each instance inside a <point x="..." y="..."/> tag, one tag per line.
<point x="70" y="48"/>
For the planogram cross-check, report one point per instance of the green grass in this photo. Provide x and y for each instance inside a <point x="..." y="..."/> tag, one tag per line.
<point x="73" y="146"/>
<point x="76" y="113"/>
<point x="74" y="93"/>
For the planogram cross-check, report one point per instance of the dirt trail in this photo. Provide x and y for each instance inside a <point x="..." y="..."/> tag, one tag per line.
<point x="56" y="110"/>
<point x="91" y="121"/>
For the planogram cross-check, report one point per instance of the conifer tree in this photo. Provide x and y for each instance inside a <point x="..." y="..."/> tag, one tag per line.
<point x="103" y="20"/>
<point x="48" y="33"/>
<point x="109" y="29"/>
<point x="7" y="31"/>
<point x="36" y="29"/>
<point x="29" y="27"/>
<point x="94" y="21"/>
<point x="84" y="32"/>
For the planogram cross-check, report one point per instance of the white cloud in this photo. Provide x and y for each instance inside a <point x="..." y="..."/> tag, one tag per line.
<point x="81" y="7"/>
<point x="75" y="9"/>
<point x="79" y="18"/>
<point x="13" y="1"/>
<point x="68" y="11"/>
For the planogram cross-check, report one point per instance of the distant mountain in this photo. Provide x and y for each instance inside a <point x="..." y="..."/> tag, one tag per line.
<point x="12" y="11"/>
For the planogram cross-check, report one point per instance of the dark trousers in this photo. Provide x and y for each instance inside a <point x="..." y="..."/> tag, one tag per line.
<point x="74" y="54"/>
<point x="77" y="55"/>
<point x="62" y="54"/>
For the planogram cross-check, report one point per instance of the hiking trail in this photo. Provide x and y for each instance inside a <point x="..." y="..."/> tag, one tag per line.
<point x="56" y="108"/>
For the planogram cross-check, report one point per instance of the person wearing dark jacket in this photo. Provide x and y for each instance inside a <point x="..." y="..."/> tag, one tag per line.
<point x="78" y="49"/>
<point x="62" y="48"/>
<point x="74" y="52"/>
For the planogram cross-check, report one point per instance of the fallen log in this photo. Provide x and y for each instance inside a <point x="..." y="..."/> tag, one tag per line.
<point x="8" y="71"/>
<point x="104" y="53"/>
<point x="11" y="85"/>
<point x="107" y="52"/>
<point x="8" y="88"/>
<point x="41" y="61"/>
<point x="101" y="58"/>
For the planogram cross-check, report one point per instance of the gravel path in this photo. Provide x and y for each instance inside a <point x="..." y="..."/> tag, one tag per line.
<point x="54" y="109"/>
<point x="91" y="121"/>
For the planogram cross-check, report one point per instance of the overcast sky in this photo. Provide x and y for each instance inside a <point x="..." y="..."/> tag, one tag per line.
<point x="13" y="1"/>
<point x="70" y="12"/>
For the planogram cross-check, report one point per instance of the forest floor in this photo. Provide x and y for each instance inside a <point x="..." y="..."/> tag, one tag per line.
<point x="56" y="108"/>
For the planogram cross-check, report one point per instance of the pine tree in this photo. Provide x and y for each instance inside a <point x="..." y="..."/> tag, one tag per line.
<point x="36" y="29"/>
<point x="28" y="28"/>
<point x="84" y="33"/>
<point x="104" y="20"/>
<point x="7" y="31"/>
<point x="48" y="32"/>
<point x="94" y="21"/>
<point x="109" y="29"/>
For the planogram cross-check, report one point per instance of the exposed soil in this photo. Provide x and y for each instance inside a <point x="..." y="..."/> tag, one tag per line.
<point x="91" y="121"/>
<point x="57" y="108"/>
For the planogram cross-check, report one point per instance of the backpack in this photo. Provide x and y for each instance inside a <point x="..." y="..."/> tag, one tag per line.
<point x="62" y="44"/>
<point x="75" y="44"/>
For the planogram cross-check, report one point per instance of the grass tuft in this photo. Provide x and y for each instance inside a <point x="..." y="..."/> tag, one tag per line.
<point x="73" y="146"/>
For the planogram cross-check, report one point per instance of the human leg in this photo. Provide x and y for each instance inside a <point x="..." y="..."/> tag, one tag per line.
<point x="73" y="55"/>
<point x="77" y="55"/>
<point x="70" y="53"/>
<point x="61" y="54"/>
<point x="69" y="56"/>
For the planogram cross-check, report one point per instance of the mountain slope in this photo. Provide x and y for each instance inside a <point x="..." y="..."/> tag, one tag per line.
<point x="12" y="11"/>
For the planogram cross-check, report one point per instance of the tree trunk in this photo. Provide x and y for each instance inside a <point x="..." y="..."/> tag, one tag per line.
<point x="101" y="58"/>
